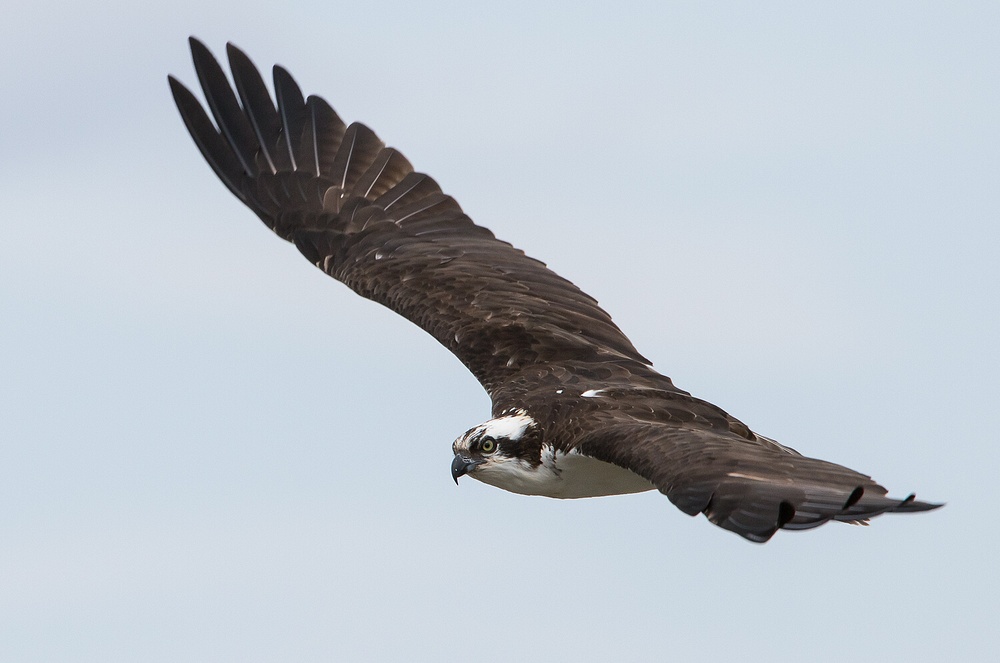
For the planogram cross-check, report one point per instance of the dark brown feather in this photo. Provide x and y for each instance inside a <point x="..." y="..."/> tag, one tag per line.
<point x="358" y="211"/>
<point x="748" y="485"/>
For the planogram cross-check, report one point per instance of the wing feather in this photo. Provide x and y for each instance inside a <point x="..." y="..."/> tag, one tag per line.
<point x="748" y="485"/>
<point x="260" y="111"/>
<point x="216" y="150"/>
<point x="358" y="211"/>
<point x="293" y="119"/>
<point x="234" y="124"/>
<point x="322" y="134"/>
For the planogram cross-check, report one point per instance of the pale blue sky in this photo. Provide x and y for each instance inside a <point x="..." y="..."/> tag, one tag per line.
<point x="209" y="451"/>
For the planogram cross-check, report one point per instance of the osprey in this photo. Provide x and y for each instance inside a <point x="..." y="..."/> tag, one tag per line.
<point x="577" y="411"/>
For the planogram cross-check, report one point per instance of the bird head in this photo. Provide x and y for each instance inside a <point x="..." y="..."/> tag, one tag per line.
<point x="494" y="451"/>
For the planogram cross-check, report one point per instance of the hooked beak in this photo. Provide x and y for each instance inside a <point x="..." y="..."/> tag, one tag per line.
<point x="461" y="466"/>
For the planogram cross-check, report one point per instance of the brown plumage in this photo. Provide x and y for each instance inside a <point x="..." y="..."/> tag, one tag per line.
<point x="538" y="344"/>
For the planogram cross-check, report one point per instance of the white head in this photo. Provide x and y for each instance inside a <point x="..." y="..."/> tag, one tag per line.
<point x="493" y="450"/>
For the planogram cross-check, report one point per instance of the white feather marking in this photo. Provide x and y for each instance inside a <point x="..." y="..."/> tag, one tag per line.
<point x="511" y="427"/>
<point x="347" y="166"/>
<point x="752" y="477"/>
<point x="562" y="475"/>
<point x="592" y="393"/>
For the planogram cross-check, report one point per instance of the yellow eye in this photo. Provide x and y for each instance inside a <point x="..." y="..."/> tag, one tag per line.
<point x="488" y="445"/>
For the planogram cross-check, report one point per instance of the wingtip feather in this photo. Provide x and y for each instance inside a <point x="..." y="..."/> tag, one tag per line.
<point x="219" y="156"/>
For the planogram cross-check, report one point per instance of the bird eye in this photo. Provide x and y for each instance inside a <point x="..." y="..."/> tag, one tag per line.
<point x="488" y="445"/>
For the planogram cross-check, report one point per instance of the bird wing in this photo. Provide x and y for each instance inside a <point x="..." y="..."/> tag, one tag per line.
<point x="742" y="482"/>
<point x="358" y="211"/>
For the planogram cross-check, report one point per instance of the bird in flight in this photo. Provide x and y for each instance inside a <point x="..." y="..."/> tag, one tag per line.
<point x="577" y="411"/>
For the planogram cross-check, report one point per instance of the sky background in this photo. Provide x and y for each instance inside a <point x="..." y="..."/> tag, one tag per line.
<point x="209" y="451"/>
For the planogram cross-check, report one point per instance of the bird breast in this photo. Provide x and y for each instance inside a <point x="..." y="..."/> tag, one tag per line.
<point x="564" y="475"/>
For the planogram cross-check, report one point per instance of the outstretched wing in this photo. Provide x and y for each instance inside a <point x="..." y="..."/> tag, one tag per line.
<point x="742" y="482"/>
<point x="359" y="212"/>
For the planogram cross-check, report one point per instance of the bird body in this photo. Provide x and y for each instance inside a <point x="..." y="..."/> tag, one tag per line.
<point x="577" y="411"/>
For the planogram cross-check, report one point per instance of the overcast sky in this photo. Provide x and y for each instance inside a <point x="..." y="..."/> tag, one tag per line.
<point x="209" y="451"/>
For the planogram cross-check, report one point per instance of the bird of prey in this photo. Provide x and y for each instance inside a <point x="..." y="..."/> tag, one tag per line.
<point x="577" y="411"/>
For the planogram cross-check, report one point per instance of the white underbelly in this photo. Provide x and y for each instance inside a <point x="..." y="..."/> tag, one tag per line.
<point x="564" y="476"/>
